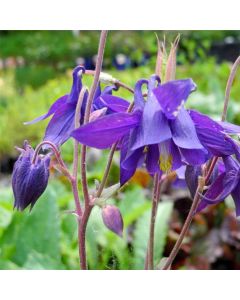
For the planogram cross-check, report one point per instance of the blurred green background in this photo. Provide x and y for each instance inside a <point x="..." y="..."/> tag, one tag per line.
<point x="35" y="69"/>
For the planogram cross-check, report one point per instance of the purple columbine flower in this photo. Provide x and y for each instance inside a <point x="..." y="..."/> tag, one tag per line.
<point x="227" y="183"/>
<point x="159" y="131"/>
<point x="63" y="109"/>
<point x="29" y="179"/>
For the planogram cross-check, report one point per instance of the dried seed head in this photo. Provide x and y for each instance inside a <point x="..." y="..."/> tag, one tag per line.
<point x="172" y="60"/>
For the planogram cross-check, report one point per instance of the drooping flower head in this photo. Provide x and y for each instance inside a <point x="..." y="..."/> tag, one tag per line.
<point x="29" y="179"/>
<point x="159" y="131"/>
<point x="63" y="109"/>
<point x="166" y="133"/>
<point x="227" y="183"/>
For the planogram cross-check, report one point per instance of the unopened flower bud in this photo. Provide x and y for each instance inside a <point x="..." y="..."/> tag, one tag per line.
<point x="29" y="179"/>
<point x="112" y="219"/>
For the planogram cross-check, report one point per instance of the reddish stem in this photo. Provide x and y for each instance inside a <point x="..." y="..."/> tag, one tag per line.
<point x="88" y="206"/>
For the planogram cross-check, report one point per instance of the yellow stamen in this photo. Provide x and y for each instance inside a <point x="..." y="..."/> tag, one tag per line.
<point x="145" y="150"/>
<point x="165" y="163"/>
<point x="165" y="159"/>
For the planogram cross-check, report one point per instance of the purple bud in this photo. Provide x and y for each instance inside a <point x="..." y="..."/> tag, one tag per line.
<point x="29" y="180"/>
<point x="112" y="219"/>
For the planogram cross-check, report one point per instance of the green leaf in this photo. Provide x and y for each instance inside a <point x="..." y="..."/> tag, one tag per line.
<point x="161" y="229"/>
<point x="39" y="261"/>
<point x="133" y="205"/>
<point x="6" y="208"/>
<point x="98" y="236"/>
<point x="8" y="265"/>
<point x="141" y="234"/>
<point x="38" y="230"/>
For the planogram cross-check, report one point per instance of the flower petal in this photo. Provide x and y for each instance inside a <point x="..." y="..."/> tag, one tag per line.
<point x="55" y="106"/>
<point x="76" y="85"/>
<point x="219" y="190"/>
<point x="113" y="103"/>
<point x="61" y="124"/>
<point x="230" y="128"/>
<point x="176" y="156"/>
<point x="154" y="127"/>
<point x="183" y="131"/>
<point x="191" y="176"/>
<point x="152" y="82"/>
<point x="173" y="94"/>
<point x="107" y="130"/>
<point x="231" y="164"/>
<point x="138" y="94"/>
<point x="129" y="160"/>
<point x="211" y="135"/>
<point x="152" y="160"/>
<point x="194" y="156"/>
<point x="181" y="172"/>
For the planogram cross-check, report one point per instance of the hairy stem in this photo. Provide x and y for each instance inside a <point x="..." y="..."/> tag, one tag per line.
<point x="109" y="162"/>
<point x="88" y="206"/>
<point x="150" y="250"/>
<point x="74" y="181"/>
<point x="77" y="125"/>
<point x="98" y="69"/>
<point x="155" y="201"/>
<point x="185" y="228"/>
<point x="82" y="226"/>
<point x="107" y="170"/>
<point x="65" y="171"/>
<point x="76" y="197"/>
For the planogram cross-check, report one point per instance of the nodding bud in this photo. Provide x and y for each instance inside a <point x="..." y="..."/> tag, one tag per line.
<point x="29" y="179"/>
<point x="112" y="219"/>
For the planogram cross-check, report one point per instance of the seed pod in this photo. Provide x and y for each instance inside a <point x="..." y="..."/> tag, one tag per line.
<point x="112" y="219"/>
<point x="29" y="180"/>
